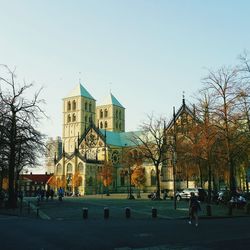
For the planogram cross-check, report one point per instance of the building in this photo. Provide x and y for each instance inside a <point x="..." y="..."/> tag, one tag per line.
<point x="92" y="135"/>
<point x="29" y="184"/>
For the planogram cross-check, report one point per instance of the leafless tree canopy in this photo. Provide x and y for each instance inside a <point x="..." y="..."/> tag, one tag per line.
<point x="21" y="142"/>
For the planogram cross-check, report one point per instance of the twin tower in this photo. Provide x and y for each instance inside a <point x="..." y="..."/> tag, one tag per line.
<point x="80" y="111"/>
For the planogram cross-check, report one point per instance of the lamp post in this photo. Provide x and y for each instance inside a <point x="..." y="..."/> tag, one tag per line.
<point x="130" y="196"/>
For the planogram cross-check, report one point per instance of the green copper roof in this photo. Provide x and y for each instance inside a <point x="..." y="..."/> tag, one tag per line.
<point x="79" y="90"/>
<point x="122" y="139"/>
<point x="111" y="100"/>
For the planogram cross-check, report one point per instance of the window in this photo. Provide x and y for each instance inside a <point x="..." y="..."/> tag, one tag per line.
<point x="69" y="168"/>
<point x="74" y="105"/>
<point x="59" y="169"/>
<point x="90" y="119"/>
<point x="122" y="177"/>
<point x="86" y="106"/>
<point x="116" y="125"/>
<point x="80" y="168"/>
<point x="90" y="107"/>
<point x="86" y="118"/>
<point x="105" y="124"/>
<point x="153" y="178"/>
<point x="120" y="115"/>
<point x="116" y="113"/>
<point x="69" y="106"/>
<point x="74" y="118"/>
<point x="120" y="126"/>
<point x="69" y="118"/>
<point x="101" y="113"/>
<point x="101" y="125"/>
<point x="106" y="113"/>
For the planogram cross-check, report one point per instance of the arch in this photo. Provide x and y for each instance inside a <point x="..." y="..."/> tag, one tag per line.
<point x="59" y="169"/>
<point x="68" y="118"/>
<point x="153" y="177"/>
<point x="116" y="125"/>
<point x="101" y="113"/>
<point x="122" y="177"/>
<point x="120" y="114"/>
<point x="105" y="113"/>
<point x="80" y="168"/>
<point x="74" y="105"/>
<point x="86" y="106"/>
<point x="74" y="117"/>
<point x="90" y="107"/>
<point x="69" y="168"/>
<point x="101" y="125"/>
<point x="105" y="124"/>
<point x="69" y="106"/>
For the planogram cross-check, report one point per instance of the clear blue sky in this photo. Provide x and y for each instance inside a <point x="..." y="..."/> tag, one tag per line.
<point x="151" y="51"/>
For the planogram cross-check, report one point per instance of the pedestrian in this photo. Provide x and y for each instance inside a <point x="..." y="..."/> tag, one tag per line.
<point x="51" y="194"/>
<point x="194" y="208"/>
<point x="47" y="194"/>
<point x="60" y="193"/>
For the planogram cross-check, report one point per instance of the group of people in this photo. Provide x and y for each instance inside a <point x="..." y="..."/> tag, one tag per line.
<point x="41" y="193"/>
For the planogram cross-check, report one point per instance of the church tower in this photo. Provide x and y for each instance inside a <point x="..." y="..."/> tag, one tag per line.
<point x="110" y="115"/>
<point x="78" y="112"/>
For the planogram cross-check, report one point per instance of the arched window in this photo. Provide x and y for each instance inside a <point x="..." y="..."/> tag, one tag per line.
<point x="69" y="168"/>
<point x="120" y="115"/>
<point x="105" y="124"/>
<point x="59" y="169"/>
<point x="90" y="107"/>
<point x="74" y="105"/>
<point x="80" y="168"/>
<point x="69" y="118"/>
<point x="101" y="125"/>
<point x="74" y="118"/>
<point x="106" y="113"/>
<point x="116" y="114"/>
<point x="86" y="106"/>
<point x="116" y="125"/>
<point x="122" y="178"/>
<point x="153" y="178"/>
<point x="69" y="106"/>
<point x="90" y="119"/>
<point x="101" y="113"/>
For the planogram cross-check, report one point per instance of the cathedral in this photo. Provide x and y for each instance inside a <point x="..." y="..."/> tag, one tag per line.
<point x="93" y="135"/>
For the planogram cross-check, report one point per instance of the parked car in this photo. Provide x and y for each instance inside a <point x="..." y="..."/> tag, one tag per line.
<point x="186" y="194"/>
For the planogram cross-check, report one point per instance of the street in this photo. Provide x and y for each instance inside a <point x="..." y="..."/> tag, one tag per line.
<point x="31" y="233"/>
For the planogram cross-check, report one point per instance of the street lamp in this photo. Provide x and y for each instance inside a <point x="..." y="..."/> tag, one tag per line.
<point x="130" y="195"/>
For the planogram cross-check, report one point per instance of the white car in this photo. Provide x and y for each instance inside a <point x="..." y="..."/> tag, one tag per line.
<point x="186" y="193"/>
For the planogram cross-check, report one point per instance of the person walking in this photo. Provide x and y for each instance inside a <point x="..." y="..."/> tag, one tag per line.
<point x="194" y="208"/>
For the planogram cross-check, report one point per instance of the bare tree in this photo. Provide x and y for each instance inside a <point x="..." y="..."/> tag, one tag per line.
<point x="23" y="142"/>
<point x="223" y="85"/>
<point x="151" y="141"/>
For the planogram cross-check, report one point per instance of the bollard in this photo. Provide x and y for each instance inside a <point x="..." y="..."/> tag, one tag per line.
<point x="209" y="210"/>
<point x="85" y="213"/>
<point x="37" y="212"/>
<point x="28" y="207"/>
<point x="127" y="212"/>
<point x="106" y="213"/>
<point x="154" y="212"/>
